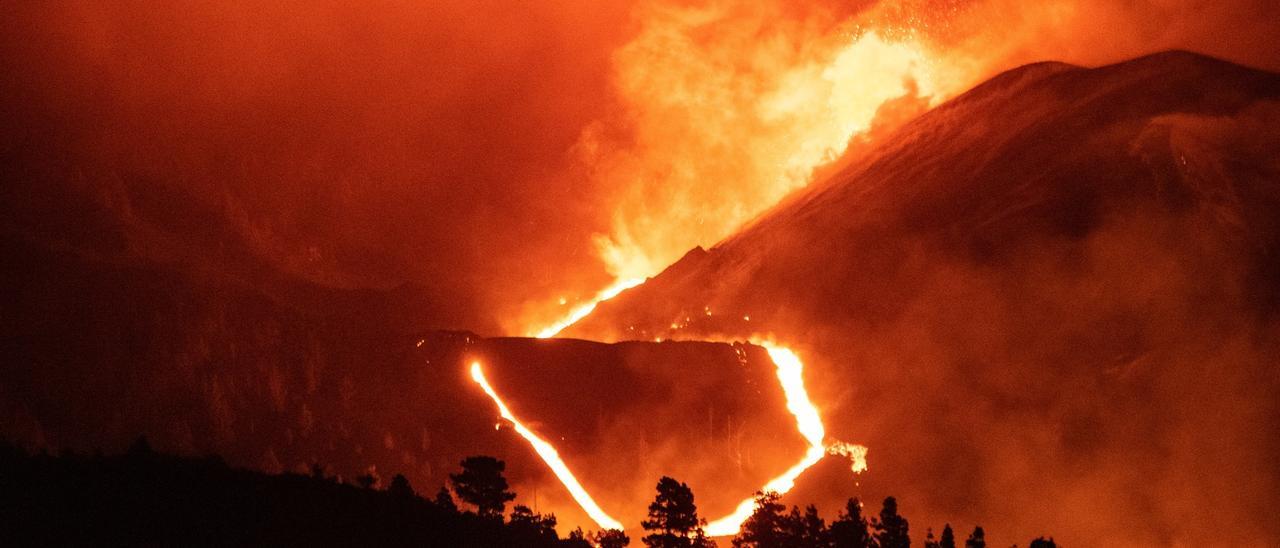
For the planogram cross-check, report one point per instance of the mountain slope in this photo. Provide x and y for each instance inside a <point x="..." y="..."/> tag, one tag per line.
<point x="1050" y="303"/>
<point x="137" y="309"/>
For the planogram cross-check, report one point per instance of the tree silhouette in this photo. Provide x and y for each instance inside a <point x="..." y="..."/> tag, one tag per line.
<point x="528" y="528"/>
<point x="850" y="529"/>
<point x="767" y="526"/>
<point x="929" y="541"/>
<point x="145" y="498"/>
<point x="400" y="487"/>
<point x="576" y="538"/>
<point x="770" y="527"/>
<point x="978" y="539"/>
<point x="164" y="500"/>
<point x="481" y="483"/>
<point x="1043" y="543"/>
<point x="444" y="501"/>
<point x="948" y="539"/>
<point x="612" y="538"/>
<point x="891" y="528"/>
<point x="808" y="530"/>
<point x="673" y="518"/>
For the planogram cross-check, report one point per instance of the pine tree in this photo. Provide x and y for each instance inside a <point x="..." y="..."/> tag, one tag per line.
<point x="976" y="540"/>
<point x="809" y="529"/>
<point x="948" y="539"/>
<point x="400" y="487"/>
<point x="850" y="529"/>
<point x="575" y="539"/>
<point x="1041" y="542"/>
<point x="528" y="528"/>
<point x="444" y="501"/>
<point x="929" y="541"/>
<point x="612" y="538"/>
<point x="891" y="528"/>
<point x="673" y="518"/>
<point x="766" y="528"/>
<point x="481" y="483"/>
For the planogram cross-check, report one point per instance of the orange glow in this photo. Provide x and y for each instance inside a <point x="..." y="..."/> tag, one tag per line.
<point x="763" y="114"/>
<point x="702" y="115"/>
<point x="792" y="113"/>
<point x="857" y="454"/>
<point x="581" y="311"/>
<point x="790" y="371"/>
<point x="549" y="456"/>
<point x="808" y="422"/>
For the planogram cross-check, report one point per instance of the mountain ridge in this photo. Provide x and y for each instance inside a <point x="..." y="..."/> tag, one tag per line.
<point x="986" y="296"/>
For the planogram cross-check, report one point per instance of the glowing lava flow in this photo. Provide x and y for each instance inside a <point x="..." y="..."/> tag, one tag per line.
<point x="808" y="422"/>
<point x="791" y="375"/>
<point x="582" y="311"/>
<point x="549" y="456"/>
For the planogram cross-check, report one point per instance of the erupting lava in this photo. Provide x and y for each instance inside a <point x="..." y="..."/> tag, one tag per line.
<point x="582" y="311"/>
<point x="549" y="456"/>
<point x="761" y="111"/>
<point x="802" y="116"/>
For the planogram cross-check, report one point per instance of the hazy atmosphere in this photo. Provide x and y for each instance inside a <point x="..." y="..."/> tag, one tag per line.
<point x="1024" y="255"/>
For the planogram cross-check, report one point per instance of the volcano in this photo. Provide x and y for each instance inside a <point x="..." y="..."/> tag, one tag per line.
<point x="1049" y="304"/>
<point x="1051" y="301"/>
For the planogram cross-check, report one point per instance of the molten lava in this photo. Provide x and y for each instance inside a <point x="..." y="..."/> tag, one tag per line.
<point x="791" y="375"/>
<point x="801" y="113"/>
<point x="582" y="311"/>
<point x="549" y="456"/>
<point x="790" y="371"/>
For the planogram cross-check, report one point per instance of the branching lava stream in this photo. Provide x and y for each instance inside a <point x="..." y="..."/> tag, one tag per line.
<point x="790" y="371"/>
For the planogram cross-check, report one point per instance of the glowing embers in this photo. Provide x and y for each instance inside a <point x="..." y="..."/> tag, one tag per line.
<point x="549" y="456"/>
<point x="582" y="311"/>
<point x="791" y="376"/>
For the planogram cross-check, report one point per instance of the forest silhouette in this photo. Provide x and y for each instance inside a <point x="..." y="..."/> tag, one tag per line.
<point x="146" y="498"/>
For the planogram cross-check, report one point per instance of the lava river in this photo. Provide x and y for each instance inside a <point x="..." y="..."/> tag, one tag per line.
<point x="790" y="373"/>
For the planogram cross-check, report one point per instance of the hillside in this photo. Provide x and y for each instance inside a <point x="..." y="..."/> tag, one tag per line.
<point x="1054" y="295"/>
<point x="138" y="308"/>
<point x="98" y="353"/>
<point x="144" y="498"/>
